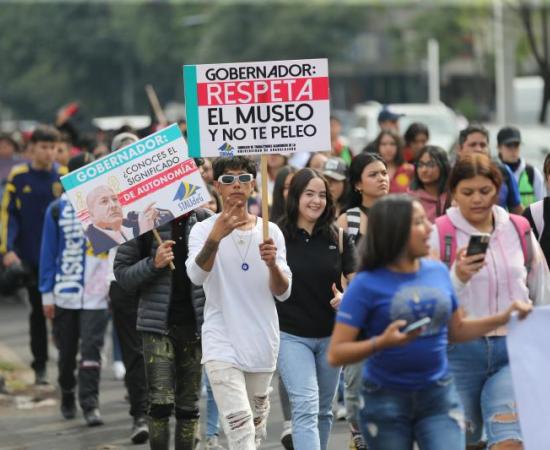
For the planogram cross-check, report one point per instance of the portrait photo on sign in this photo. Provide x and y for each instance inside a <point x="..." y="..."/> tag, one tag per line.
<point x="135" y="189"/>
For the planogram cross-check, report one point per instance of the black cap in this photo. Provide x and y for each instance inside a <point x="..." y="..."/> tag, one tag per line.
<point x="387" y="115"/>
<point x="80" y="160"/>
<point x="508" y="135"/>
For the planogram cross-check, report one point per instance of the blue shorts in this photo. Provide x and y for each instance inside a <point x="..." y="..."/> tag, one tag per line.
<point x="482" y="377"/>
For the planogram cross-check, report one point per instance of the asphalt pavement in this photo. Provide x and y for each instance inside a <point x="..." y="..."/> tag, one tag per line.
<point x="30" y="420"/>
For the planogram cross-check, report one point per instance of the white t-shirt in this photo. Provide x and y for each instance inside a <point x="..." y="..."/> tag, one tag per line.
<point x="241" y="326"/>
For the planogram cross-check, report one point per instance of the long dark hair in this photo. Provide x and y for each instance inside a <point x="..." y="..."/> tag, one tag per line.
<point x="289" y="223"/>
<point x="356" y="168"/>
<point x="440" y="157"/>
<point x="278" y="204"/>
<point x="388" y="231"/>
<point x="398" y="158"/>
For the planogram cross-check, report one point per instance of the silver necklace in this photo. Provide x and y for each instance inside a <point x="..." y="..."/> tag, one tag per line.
<point x="240" y="237"/>
<point x="244" y="264"/>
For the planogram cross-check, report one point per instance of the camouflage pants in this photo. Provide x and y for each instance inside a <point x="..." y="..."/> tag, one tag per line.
<point x="173" y="370"/>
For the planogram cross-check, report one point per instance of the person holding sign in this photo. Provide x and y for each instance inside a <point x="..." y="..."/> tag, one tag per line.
<point x="169" y="318"/>
<point x="240" y="273"/>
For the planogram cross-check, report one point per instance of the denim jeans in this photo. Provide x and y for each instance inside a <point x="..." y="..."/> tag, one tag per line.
<point x="243" y="403"/>
<point x="484" y="383"/>
<point x="353" y="376"/>
<point x="394" y="419"/>
<point x="311" y="384"/>
<point x="212" y="414"/>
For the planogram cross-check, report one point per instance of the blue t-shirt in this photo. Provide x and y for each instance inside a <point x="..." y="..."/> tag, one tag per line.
<point x="376" y="298"/>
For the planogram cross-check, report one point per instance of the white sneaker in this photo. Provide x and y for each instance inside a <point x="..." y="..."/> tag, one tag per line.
<point x="340" y="412"/>
<point x="119" y="370"/>
<point x="212" y="443"/>
<point x="286" y="435"/>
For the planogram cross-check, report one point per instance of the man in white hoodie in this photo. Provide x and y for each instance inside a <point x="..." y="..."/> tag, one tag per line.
<point x="240" y="274"/>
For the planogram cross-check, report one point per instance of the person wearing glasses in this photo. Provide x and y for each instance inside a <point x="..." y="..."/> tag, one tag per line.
<point x="530" y="180"/>
<point x="240" y="274"/>
<point x="429" y="185"/>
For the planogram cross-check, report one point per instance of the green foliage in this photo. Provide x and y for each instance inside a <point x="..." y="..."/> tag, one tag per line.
<point x="102" y="54"/>
<point x="454" y="26"/>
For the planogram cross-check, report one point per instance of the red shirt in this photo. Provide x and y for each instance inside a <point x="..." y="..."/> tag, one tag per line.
<point x="402" y="179"/>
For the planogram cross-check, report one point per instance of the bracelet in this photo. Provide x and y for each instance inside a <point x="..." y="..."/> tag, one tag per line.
<point x="374" y="345"/>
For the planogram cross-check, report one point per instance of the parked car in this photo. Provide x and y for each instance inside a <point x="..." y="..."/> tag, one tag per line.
<point x="443" y="123"/>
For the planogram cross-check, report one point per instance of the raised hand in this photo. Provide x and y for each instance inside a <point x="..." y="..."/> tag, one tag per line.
<point x="227" y="221"/>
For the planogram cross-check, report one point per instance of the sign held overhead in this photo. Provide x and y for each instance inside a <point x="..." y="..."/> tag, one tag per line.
<point x="257" y="107"/>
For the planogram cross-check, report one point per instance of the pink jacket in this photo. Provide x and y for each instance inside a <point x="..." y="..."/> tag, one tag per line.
<point x="430" y="203"/>
<point x="504" y="277"/>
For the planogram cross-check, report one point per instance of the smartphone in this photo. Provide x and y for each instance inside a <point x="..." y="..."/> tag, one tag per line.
<point x="478" y="244"/>
<point x="416" y="325"/>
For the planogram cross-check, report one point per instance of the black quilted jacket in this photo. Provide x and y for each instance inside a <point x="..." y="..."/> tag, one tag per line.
<point x="134" y="271"/>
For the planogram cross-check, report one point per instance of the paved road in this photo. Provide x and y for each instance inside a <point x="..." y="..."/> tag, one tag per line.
<point x="42" y="428"/>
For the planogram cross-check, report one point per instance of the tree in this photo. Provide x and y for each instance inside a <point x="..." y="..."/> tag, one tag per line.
<point x="538" y="44"/>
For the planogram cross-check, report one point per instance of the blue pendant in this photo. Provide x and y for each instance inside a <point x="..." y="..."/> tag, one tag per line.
<point x="245" y="266"/>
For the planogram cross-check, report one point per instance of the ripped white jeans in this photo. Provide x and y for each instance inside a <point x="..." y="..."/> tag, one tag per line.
<point x="243" y="403"/>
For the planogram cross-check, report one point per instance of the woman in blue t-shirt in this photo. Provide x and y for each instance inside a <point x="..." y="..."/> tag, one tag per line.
<point x="408" y="393"/>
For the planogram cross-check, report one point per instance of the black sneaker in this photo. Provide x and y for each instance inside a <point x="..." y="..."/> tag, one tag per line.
<point x="140" y="431"/>
<point x="357" y="441"/>
<point x="41" y="377"/>
<point x="93" y="417"/>
<point x="286" y="436"/>
<point x="68" y="405"/>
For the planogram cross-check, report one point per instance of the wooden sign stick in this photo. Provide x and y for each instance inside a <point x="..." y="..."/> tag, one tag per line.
<point x="159" y="241"/>
<point x="155" y="104"/>
<point x="265" y="197"/>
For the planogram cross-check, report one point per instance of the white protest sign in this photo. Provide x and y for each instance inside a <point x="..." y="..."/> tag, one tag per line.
<point x="135" y="189"/>
<point x="257" y="107"/>
<point x="527" y="343"/>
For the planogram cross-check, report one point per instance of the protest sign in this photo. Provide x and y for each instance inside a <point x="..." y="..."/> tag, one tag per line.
<point x="527" y="343"/>
<point x="257" y="107"/>
<point x="135" y="189"/>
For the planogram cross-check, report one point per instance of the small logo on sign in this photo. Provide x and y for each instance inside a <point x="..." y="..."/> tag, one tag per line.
<point x="226" y="149"/>
<point x="185" y="191"/>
